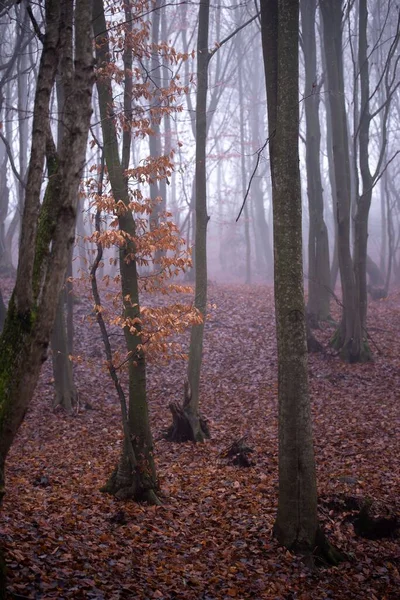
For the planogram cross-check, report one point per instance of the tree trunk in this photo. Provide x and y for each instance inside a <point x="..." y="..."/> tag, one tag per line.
<point x="348" y="339"/>
<point x="296" y="526"/>
<point x="6" y="266"/>
<point x="48" y="226"/>
<point x="318" y="246"/>
<point x="363" y="200"/>
<point x="135" y="474"/>
<point x="331" y="170"/>
<point x="65" y="391"/>
<point x="61" y="339"/>
<point x="3" y="312"/>
<point x="191" y="402"/>
<point x="243" y="164"/>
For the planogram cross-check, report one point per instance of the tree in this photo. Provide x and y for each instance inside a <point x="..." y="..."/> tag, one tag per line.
<point x="349" y="337"/>
<point x="187" y="422"/>
<point x="47" y="227"/>
<point x="318" y="246"/>
<point x="65" y="392"/>
<point x="296" y="525"/>
<point x="135" y="474"/>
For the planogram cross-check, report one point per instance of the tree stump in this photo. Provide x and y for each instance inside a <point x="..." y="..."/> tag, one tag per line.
<point x="183" y="427"/>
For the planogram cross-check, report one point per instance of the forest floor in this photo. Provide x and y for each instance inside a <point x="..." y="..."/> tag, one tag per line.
<point x="212" y="537"/>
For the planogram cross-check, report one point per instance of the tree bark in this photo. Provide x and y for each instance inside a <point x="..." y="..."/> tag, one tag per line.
<point x="363" y="199"/>
<point x="296" y="525"/>
<point x="66" y="394"/>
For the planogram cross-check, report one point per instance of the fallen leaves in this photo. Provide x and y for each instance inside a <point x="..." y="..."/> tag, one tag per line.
<point x="212" y="538"/>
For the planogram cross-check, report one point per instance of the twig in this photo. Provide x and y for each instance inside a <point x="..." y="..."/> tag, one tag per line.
<point x="11" y="159"/>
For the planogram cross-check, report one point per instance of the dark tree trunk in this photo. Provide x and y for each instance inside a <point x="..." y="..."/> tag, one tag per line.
<point x="349" y="337"/>
<point x="191" y="402"/>
<point x="363" y="200"/>
<point x="65" y="391"/>
<point x="48" y="226"/>
<point x="296" y="526"/>
<point x="318" y="246"/>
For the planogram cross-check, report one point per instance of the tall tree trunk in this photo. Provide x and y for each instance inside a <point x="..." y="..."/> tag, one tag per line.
<point x="5" y="257"/>
<point x="349" y="336"/>
<point x="48" y="226"/>
<point x="243" y="164"/>
<point x="296" y="526"/>
<point x="318" y="246"/>
<point x="132" y="478"/>
<point x="363" y="200"/>
<point x="189" y="425"/>
<point x="331" y="170"/>
<point x="66" y="394"/>
<point x="200" y="249"/>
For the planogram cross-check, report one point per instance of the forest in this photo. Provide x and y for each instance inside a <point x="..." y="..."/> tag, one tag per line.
<point x="199" y="299"/>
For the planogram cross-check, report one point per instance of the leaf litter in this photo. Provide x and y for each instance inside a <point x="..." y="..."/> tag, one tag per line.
<point x="212" y="537"/>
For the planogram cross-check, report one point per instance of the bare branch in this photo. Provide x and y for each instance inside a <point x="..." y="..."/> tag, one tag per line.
<point x="11" y="159"/>
<point x="259" y="152"/>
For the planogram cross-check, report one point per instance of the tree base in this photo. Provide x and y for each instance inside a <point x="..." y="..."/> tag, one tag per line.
<point x="130" y="488"/>
<point x="183" y="429"/>
<point x="378" y="293"/>
<point x="351" y="352"/>
<point x="319" y="552"/>
<point x="325" y="553"/>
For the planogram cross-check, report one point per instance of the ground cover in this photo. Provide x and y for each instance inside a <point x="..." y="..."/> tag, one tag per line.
<point x="211" y="538"/>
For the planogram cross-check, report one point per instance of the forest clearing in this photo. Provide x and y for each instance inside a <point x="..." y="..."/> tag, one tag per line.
<point x="211" y="538"/>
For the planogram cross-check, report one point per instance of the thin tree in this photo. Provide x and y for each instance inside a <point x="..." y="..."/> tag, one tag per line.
<point x="318" y="246"/>
<point x="135" y="474"/>
<point x="187" y="422"/>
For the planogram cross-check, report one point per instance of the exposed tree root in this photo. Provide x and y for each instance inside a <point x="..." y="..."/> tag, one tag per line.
<point x="316" y="552"/>
<point x="130" y="486"/>
<point x="325" y="553"/>
<point x="349" y="351"/>
<point x="375" y="528"/>
<point x="377" y="293"/>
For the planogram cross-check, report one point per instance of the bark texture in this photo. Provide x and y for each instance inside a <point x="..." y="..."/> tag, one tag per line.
<point x="48" y="227"/>
<point x="296" y="525"/>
